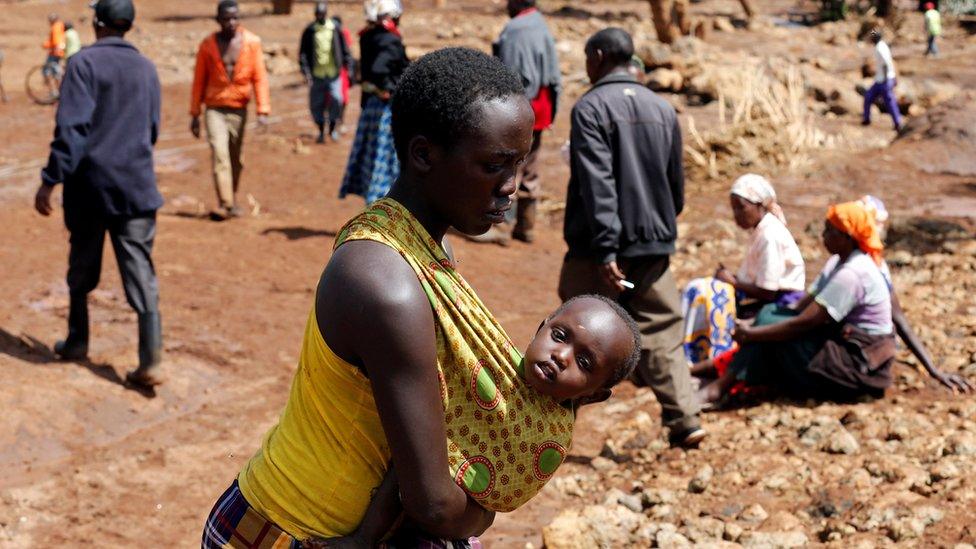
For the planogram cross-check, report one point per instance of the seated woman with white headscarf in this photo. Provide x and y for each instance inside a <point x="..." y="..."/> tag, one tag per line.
<point x="771" y="272"/>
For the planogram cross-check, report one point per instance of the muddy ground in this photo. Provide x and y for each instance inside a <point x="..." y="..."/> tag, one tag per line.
<point x="86" y="462"/>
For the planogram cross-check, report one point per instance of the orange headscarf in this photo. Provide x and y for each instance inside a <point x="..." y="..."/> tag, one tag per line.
<point x="854" y="220"/>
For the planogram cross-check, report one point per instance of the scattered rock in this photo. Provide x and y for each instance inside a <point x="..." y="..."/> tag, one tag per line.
<point x="960" y="444"/>
<point x="723" y="24"/>
<point x="665" y="80"/>
<point x="699" y="483"/>
<point x="943" y="470"/>
<point x="774" y="540"/>
<point x="671" y="539"/>
<point x="732" y="531"/>
<point x="754" y="514"/>
<point x="842" y="442"/>
<point x="593" y="526"/>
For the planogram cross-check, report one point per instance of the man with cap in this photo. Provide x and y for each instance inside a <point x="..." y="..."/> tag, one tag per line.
<point x="230" y="64"/>
<point x="322" y="55"/>
<point x="102" y="153"/>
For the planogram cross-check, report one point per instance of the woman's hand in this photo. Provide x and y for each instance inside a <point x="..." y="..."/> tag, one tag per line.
<point x="956" y="383"/>
<point x="725" y="275"/>
<point x="743" y="333"/>
<point x="345" y="542"/>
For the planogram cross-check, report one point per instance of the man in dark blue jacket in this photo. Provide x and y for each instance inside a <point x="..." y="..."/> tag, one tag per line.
<point x="625" y="190"/>
<point x="102" y="152"/>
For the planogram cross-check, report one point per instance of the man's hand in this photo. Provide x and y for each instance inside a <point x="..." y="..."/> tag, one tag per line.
<point x="611" y="275"/>
<point x="42" y="200"/>
<point x="195" y="126"/>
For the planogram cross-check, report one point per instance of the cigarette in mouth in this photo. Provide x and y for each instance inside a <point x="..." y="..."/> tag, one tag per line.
<point x="627" y="284"/>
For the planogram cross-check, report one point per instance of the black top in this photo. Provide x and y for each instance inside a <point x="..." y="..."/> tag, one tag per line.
<point x="107" y="124"/>
<point x="383" y="58"/>
<point x="340" y="49"/>
<point x="626" y="183"/>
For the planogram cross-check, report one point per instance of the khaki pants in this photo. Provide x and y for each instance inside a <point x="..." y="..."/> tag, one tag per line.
<point x="656" y="307"/>
<point x="225" y="133"/>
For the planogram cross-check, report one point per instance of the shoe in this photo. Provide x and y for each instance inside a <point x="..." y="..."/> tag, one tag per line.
<point x="687" y="439"/>
<point x="150" y="352"/>
<point x="220" y="214"/>
<point x="235" y="211"/>
<point x="320" y="139"/>
<point x="525" y="211"/>
<point x="865" y="122"/>
<point x="75" y="346"/>
<point x="334" y="135"/>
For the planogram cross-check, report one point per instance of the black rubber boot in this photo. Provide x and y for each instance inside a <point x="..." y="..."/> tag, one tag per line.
<point x="150" y="351"/>
<point x="75" y="346"/>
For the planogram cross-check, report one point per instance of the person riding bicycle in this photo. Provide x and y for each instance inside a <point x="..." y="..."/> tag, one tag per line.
<point x="55" y="53"/>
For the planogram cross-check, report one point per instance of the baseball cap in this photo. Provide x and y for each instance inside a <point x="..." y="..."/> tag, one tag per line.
<point x="109" y="11"/>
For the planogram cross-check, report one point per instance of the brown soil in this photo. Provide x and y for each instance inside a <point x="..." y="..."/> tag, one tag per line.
<point x="86" y="462"/>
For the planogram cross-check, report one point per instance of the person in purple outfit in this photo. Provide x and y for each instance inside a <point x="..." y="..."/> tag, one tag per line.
<point x="884" y="81"/>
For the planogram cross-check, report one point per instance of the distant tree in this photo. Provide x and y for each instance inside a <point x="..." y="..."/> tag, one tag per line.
<point x="672" y="18"/>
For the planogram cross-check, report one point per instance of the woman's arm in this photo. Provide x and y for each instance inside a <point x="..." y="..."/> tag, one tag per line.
<point x="905" y="332"/>
<point x="813" y="316"/>
<point x="747" y="288"/>
<point x="373" y="312"/>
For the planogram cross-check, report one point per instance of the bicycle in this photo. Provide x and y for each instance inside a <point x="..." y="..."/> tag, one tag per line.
<point x="41" y="90"/>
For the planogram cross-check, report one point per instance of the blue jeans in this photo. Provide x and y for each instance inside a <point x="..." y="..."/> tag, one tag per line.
<point x="933" y="48"/>
<point x="325" y="93"/>
<point x="887" y="90"/>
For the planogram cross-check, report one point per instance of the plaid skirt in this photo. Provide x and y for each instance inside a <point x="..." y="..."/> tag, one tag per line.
<point x="234" y="524"/>
<point x="373" y="164"/>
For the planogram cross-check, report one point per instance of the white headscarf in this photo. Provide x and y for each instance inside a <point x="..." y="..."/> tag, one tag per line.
<point x="875" y="206"/>
<point x="375" y="8"/>
<point x="758" y="190"/>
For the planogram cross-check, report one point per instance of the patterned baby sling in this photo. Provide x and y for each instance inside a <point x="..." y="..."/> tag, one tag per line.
<point x="504" y="439"/>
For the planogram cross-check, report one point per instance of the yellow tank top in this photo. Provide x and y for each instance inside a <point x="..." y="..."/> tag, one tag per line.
<point x="316" y="468"/>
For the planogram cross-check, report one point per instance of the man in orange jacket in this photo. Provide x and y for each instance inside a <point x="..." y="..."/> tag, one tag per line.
<point x="55" y="52"/>
<point x="230" y="64"/>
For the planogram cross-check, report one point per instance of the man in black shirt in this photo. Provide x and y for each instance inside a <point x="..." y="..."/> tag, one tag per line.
<point x="625" y="190"/>
<point x="102" y="152"/>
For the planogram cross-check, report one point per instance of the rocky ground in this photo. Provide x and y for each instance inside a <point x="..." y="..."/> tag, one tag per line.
<point x="84" y="461"/>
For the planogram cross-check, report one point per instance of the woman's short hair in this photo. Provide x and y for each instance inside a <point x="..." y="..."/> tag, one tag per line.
<point x="439" y="94"/>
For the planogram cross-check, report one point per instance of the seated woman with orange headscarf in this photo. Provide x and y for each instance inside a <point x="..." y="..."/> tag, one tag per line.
<point x="837" y="343"/>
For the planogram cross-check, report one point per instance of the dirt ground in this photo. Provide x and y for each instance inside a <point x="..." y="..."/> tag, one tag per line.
<point x="84" y="461"/>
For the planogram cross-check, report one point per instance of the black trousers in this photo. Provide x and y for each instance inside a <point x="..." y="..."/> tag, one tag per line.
<point x="132" y="239"/>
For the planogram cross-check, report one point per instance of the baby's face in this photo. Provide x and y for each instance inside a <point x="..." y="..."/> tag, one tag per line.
<point x="575" y="352"/>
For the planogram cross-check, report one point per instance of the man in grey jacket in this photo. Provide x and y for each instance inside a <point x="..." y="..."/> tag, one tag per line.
<point x="626" y="188"/>
<point x="527" y="47"/>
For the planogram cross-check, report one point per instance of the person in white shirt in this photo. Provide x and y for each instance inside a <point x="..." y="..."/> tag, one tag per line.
<point x="772" y="272"/>
<point x="884" y="81"/>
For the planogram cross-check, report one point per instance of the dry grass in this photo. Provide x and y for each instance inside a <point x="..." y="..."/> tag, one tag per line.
<point x="765" y="124"/>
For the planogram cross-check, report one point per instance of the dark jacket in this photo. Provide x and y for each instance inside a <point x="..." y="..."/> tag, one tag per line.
<point x="340" y="49"/>
<point x="382" y="58"/>
<point x="107" y="124"/>
<point x="626" y="182"/>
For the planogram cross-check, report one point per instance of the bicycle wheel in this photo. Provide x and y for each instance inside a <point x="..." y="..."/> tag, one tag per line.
<point x="37" y="88"/>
